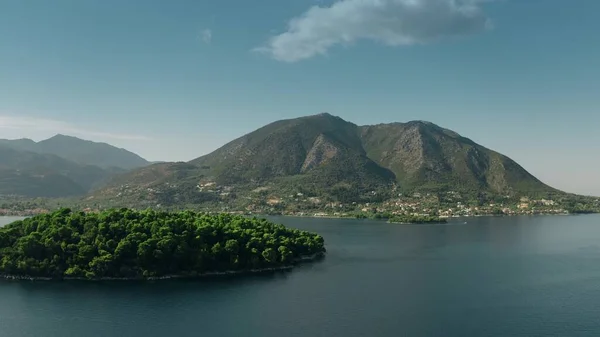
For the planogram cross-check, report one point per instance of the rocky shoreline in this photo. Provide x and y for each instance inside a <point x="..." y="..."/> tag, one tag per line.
<point x="300" y="260"/>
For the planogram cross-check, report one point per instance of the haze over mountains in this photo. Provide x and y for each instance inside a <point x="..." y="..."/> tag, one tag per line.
<point x="329" y="157"/>
<point x="60" y="166"/>
<point x="321" y="154"/>
<point x="80" y="151"/>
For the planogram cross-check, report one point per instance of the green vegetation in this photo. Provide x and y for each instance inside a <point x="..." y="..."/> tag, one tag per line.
<point x="144" y="244"/>
<point x="417" y="219"/>
<point x="576" y="204"/>
<point x="328" y="158"/>
<point x="399" y="218"/>
<point x="79" y="151"/>
<point x="319" y="156"/>
<point x="61" y="166"/>
<point x="33" y="175"/>
<point x="312" y="165"/>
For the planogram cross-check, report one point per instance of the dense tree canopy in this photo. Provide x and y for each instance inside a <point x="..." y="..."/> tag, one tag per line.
<point x="132" y="244"/>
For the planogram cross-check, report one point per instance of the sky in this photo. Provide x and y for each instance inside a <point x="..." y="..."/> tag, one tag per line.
<point x="173" y="80"/>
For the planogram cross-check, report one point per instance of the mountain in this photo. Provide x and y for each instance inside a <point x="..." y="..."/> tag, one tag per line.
<point x="80" y="151"/>
<point x="32" y="174"/>
<point x="23" y="144"/>
<point x="315" y="150"/>
<point x="326" y="156"/>
<point x="425" y="156"/>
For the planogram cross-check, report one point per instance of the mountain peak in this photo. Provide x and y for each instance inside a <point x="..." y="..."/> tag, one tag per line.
<point x="323" y="115"/>
<point x="89" y="152"/>
<point x="325" y="156"/>
<point x="60" y="136"/>
<point x="421" y="122"/>
<point x="424" y="125"/>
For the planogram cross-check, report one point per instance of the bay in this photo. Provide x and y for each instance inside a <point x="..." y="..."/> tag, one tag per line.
<point x="508" y="276"/>
<point x="4" y="220"/>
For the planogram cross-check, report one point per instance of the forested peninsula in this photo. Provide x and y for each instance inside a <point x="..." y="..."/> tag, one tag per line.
<point x="128" y="244"/>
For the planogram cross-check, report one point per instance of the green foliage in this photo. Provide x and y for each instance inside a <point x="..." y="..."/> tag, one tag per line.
<point x="45" y="175"/>
<point x="79" y="151"/>
<point x="326" y="157"/>
<point x="140" y="244"/>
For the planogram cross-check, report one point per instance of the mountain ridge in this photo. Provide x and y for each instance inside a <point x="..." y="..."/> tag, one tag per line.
<point x="85" y="152"/>
<point x="328" y="157"/>
<point x="33" y="174"/>
<point x="61" y="166"/>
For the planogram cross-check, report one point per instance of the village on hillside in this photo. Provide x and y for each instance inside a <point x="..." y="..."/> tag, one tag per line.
<point x="416" y="204"/>
<point x="266" y="201"/>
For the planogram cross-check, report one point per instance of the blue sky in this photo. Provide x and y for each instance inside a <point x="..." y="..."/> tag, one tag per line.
<point x="172" y="80"/>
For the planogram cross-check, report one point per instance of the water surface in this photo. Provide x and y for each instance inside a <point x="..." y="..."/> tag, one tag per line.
<point x="519" y="276"/>
<point x="4" y="220"/>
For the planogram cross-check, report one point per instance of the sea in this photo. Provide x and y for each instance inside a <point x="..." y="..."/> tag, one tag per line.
<point x="485" y="276"/>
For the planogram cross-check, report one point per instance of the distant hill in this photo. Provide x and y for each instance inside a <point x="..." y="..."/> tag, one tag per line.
<point x="80" y="151"/>
<point x="32" y="174"/>
<point x="61" y="166"/>
<point x="326" y="156"/>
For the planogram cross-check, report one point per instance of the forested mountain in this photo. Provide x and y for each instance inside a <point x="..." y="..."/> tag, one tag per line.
<point x="44" y="175"/>
<point x="326" y="156"/>
<point x="60" y="166"/>
<point x="80" y="151"/>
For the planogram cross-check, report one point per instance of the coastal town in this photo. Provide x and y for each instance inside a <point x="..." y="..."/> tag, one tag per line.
<point x="416" y="204"/>
<point x="265" y="201"/>
<point x="444" y="204"/>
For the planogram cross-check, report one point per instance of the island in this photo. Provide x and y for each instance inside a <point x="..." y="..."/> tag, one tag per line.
<point x="126" y="244"/>
<point x="417" y="219"/>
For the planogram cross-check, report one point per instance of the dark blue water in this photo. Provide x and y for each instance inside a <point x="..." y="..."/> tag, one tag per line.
<point x="520" y="276"/>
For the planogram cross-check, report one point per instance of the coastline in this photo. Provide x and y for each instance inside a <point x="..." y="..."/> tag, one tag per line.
<point x="417" y="223"/>
<point x="328" y="216"/>
<point x="298" y="261"/>
<point x="449" y="217"/>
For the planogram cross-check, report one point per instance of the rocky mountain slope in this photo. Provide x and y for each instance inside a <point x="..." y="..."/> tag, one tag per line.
<point x="328" y="157"/>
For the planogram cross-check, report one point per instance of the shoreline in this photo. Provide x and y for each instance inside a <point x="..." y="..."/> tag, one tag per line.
<point x="417" y="223"/>
<point x="212" y="274"/>
<point x="328" y="216"/>
<point x="448" y="217"/>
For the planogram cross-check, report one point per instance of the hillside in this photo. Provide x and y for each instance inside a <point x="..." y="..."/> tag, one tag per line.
<point x="44" y="175"/>
<point x="425" y="156"/>
<point x="314" y="150"/>
<point x="326" y="157"/>
<point x="80" y="151"/>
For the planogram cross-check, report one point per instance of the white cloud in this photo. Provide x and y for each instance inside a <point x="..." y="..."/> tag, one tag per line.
<point x="32" y="125"/>
<point x="391" y="22"/>
<point x="206" y="36"/>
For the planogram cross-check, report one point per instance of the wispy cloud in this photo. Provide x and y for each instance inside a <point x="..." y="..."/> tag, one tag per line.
<point x="32" y="124"/>
<point x="391" y="22"/>
<point x="206" y="36"/>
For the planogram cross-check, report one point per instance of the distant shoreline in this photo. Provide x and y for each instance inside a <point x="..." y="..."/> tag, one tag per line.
<point x="212" y="274"/>
<point x="381" y="219"/>
<point x="450" y="217"/>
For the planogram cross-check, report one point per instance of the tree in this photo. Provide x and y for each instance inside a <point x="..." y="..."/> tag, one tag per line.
<point x="140" y="244"/>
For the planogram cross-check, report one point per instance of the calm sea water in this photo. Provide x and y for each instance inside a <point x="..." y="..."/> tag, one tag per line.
<point x="520" y="276"/>
<point x="8" y="219"/>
